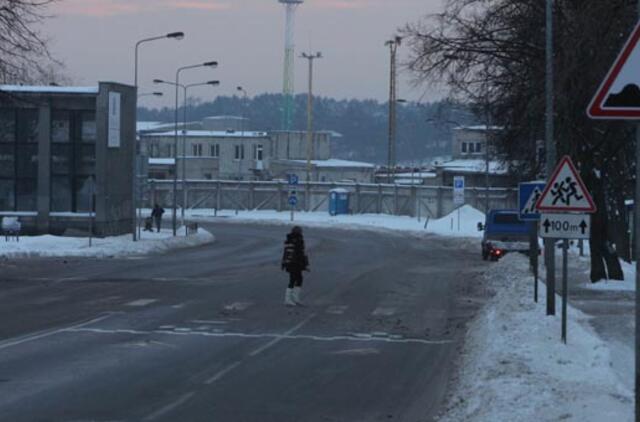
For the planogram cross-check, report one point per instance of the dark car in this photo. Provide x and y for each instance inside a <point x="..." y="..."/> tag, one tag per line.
<point x="504" y="233"/>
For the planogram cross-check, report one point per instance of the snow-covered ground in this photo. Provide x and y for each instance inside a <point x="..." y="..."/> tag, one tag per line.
<point x="515" y="368"/>
<point x="446" y="226"/>
<point x="117" y="246"/>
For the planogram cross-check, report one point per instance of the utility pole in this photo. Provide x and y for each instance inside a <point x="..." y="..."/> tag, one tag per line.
<point x="310" y="148"/>
<point x="391" y="154"/>
<point x="550" y="148"/>
<point x="636" y="228"/>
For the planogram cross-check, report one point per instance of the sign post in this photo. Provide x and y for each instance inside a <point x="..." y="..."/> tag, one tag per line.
<point x="618" y="99"/>
<point x="562" y="199"/>
<point x="528" y="195"/>
<point x="293" y="195"/>
<point x="458" y="194"/>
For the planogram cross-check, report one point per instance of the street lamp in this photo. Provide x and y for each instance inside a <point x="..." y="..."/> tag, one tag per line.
<point x="134" y="181"/>
<point x="244" y="108"/>
<point x="393" y="49"/>
<point x="211" y="64"/>
<point x="311" y="58"/>
<point x="150" y="94"/>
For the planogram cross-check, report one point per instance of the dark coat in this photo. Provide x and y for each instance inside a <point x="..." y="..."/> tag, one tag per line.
<point x="294" y="258"/>
<point x="157" y="212"/>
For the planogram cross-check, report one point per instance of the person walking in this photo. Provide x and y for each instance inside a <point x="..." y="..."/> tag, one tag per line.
<point x="156" y="214"/>
<point x="294" y="261"/>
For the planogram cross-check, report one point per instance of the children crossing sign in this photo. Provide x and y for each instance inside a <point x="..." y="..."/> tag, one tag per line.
<point x="566" y="191"/>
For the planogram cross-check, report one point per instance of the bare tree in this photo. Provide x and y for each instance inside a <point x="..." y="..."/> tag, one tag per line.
<point x="24" y="57"/>
<point x="491" y="53"/>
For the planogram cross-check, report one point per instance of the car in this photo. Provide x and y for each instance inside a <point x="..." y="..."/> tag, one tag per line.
<point x="504" y="233"/>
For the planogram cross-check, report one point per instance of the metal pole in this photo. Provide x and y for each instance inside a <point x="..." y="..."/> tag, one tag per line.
<point x="636" y="228"/>
<point x="393" y="46"/>
<point x="91" y="209"/>
<point x="309" y="118"/>
<point x="184" y="156"/>
<point x="134" y="151"/>
<point x="549" y="244"/>
<point x="565" y="271"/>
<point x="175" y="154"/>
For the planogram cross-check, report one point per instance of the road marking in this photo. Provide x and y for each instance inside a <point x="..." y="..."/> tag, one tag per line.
<point x="178" y="306"/>
<point x="48" y="333"/>
<point x="202" y="321"/>
<point x="383" y="311"/>
<point x="141" y="302"/>
<point x="238" y="306"/>
<point x="356" y="337"/>
<point x="337" y="309"/>
<point x="279" y="339"/>
<point x="357" y="352"/>
<point x="222" y="373"/>
<point x="171" y="406"/>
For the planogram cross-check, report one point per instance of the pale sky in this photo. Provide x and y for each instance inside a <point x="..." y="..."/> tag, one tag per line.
<point x="95" y="39"/>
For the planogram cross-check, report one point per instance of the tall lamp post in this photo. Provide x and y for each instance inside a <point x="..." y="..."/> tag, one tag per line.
<point x="211" y="64"/>
<point x="150" y="94"/>
<point x="310" y="150"/>
<point x="245" y="96"/>
<point x="393" y="48"/>
<point x="134" y="149"/>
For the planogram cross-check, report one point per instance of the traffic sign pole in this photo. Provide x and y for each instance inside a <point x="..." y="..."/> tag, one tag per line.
<point x="565" y="293"/>
<point x="636" y="227"/>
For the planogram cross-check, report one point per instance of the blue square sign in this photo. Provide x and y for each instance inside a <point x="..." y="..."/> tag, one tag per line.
<point x="293" y="179"/>
<point x="528" y="195"/>
<point x="293" y="200"/>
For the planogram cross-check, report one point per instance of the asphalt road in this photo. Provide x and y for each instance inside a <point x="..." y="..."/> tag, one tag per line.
<point x="202" y="335"/>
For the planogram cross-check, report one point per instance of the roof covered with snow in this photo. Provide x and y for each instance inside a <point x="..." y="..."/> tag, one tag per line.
<point x="479" y="128"/>
<point x="212" y="134"/>
<point x="334" y="162"/>
<point x="30" y="89"/>
<point x="473" y="166"/>
<point x="162" y="161"/>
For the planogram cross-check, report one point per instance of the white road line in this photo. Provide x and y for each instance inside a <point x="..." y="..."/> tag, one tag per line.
<point x="222" y="373"/>
<point x="337" y="309"/>
<point x="48" y="333"/>
<point x="238" y="306"/>
<point x="280" y="338"/>
<point x="141" y="302"/>
<point x="202" y="321"/>
<point x="171" y="406"/>
<point x="383" y="311"/>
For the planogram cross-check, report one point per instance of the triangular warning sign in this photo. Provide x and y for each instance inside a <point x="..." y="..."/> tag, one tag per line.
<point x="566" y="191"/>
<point x="619" y="95"/>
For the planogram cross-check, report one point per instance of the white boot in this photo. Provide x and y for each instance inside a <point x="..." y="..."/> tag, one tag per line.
<point x="288" y="298"/>
<point x="296" y="295"/>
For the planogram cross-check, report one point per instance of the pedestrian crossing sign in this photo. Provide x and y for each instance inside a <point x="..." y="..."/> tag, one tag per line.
<point x="528" y="195"/>
<point x="565" y="191"/>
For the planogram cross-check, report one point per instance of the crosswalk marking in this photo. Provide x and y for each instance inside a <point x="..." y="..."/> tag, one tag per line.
<point x="238" y="306"/>
<point x="380" y="311"/>
<point x="337" y="309"/>
<point x="142" y="302"/>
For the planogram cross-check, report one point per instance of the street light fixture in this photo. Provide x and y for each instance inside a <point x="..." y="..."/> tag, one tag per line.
<point x="211" y="64"/>
<point x="134" y="181"/>
<point x="393" y="45"/>
<point x="150" y="94"/>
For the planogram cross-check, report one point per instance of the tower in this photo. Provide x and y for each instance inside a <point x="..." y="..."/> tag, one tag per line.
<point x="289" y="54"/>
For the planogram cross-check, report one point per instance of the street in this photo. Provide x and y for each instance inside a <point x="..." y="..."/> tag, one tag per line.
<point x="202" y="335"/>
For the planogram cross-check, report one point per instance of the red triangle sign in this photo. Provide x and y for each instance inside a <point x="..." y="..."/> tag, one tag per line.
<point x="566" y="191"/>
<point x="619" y="95"/>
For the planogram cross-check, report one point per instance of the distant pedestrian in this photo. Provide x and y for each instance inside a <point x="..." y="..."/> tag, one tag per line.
<point x="156" y="214"/>
<point x="294" y="261"/>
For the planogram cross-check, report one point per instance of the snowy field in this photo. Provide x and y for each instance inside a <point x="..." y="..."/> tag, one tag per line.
<point x="515" y="368"/>
<point x="469" y="218"/>
<point x="117" y="246"/>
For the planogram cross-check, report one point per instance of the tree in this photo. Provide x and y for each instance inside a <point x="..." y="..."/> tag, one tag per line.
<point x="24" y="57"/>
<point x="492" y="53"/>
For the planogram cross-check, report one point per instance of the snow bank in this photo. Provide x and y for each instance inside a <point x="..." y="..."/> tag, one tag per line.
<point x="446" y="226"/>
<point x="117" y="246"/>
<point x="628" y="285"/>
<point x="514" y="367"/>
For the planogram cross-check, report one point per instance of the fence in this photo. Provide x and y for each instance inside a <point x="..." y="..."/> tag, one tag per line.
<point x="414" y="201"/>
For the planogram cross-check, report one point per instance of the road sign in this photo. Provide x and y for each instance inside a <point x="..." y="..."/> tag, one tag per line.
<point x="619" y="95"/>
<point x="293" y="179"/>
<point x="565" y="226"/>
<point x="566" y="191"/>
<point x="293" y="200"/>
<point x="458" y="190"/>
<point x="528" y="195"/>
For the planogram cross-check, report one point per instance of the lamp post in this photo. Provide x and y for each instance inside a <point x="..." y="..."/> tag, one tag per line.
<point x="211" y="64"/>
<point x="244" y="107"/>
<point x="393" y="49"/>
<point x="134" y="180"/>
<point x="311" y="58"/>
<point x="150" y="94"/>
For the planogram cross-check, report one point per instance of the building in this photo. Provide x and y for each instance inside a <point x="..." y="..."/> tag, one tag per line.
<point x="246" y="155"/>
<point x="471" y="142"/>
<point x="62" y="148"/>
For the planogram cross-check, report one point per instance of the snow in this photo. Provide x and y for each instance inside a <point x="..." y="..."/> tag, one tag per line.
<point x="478" y="128"/>
<point x="162" y="161"/>
<point x="50" y="89"/>
<point x="446" y="226"/>
<point x="627" y="285"/>
<point x="515" y="368"/>
<point x="473" y="166"/>
<point x="110" y="247"/>
<point x="423" y="175"/>
<point x="334" y="162"/>
<point x="211" y="134"/>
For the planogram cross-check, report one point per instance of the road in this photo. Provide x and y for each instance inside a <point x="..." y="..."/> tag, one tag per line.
<point x="201" y="334"/>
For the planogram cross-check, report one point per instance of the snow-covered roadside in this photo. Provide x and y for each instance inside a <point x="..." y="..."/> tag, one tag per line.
<point x="446" y="226"/>
<point x="117" y="246"/>
<point x="514" y="367"/>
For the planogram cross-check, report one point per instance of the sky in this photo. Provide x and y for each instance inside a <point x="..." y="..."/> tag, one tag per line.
<point x="95" y="39"/>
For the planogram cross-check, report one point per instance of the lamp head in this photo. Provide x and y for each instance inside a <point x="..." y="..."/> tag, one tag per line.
<point x="176" y="35"/>
<point x="158" y="81"/>
<point x="213" y="83"/>
<point x="158" y="94"/>
<point x="210" y="64"/>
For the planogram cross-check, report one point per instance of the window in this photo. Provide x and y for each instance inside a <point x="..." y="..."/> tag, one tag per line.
<point x="214" y="150"/>
<point x="472" y="147"/>
<point x="239" y="152"/>
<point x="257" y="152"/>
<point x="464" y="147"/>
<point x="478" y="147"/>
<point x="196" y="150"/>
